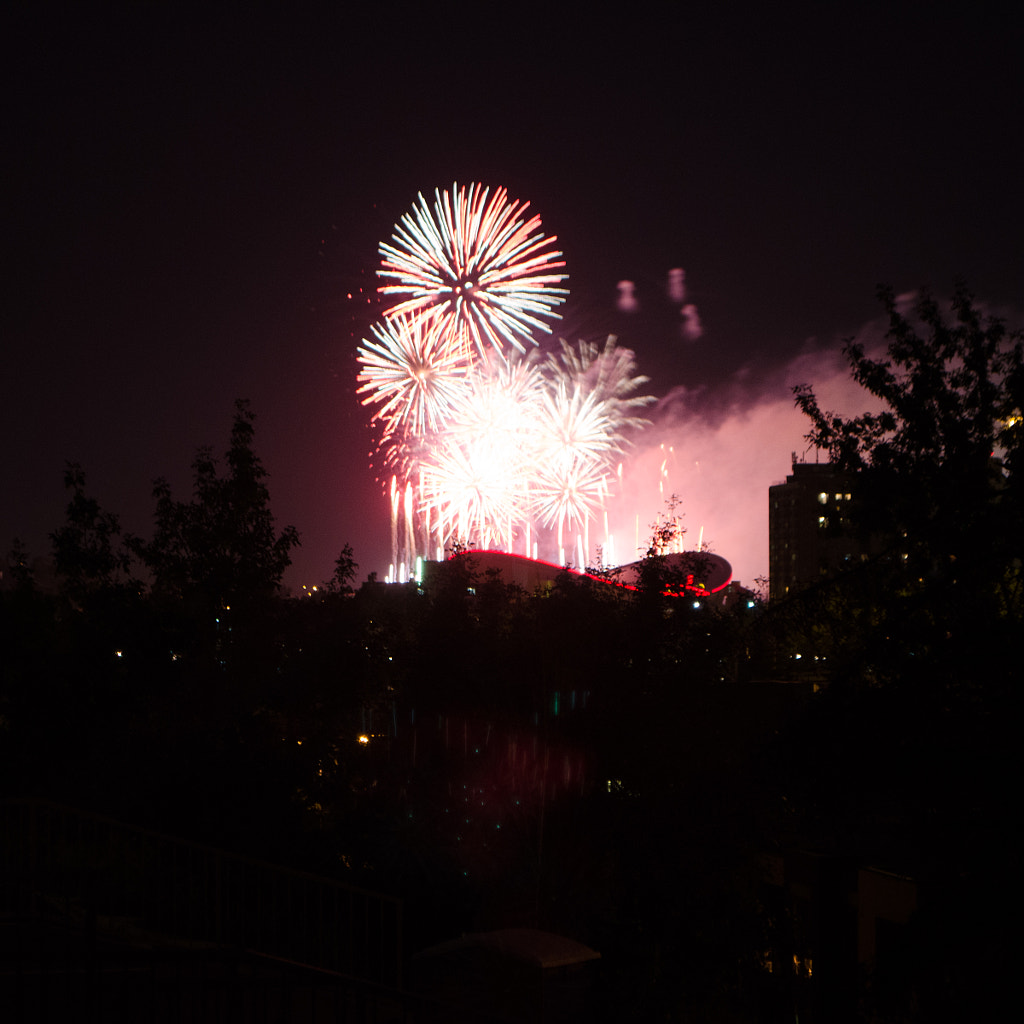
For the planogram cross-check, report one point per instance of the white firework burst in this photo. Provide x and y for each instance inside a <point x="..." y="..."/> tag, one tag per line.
<point x="476" y="264"/>
<point x="414" y="373"/>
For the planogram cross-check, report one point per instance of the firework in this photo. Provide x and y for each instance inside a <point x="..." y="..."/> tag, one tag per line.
<point x="414" y="371"/>
<point x="526" y="447"/>
<point x="491" y="446"/>
<point x="569" y="495"/>
<point x="474" y="491"/>
<point x="588" y="408"/>
<point x="476" y="265"/>
<point x="576" y="427"/>
<point x="476" y="477"/>
<point x="504" y="399"/>
<point x="608" y="375"/>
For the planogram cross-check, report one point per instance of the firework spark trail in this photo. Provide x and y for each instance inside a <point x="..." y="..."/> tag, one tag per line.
<point x="476" y="265"/>
<point x="475" y="491"/>
<point x="414" y="372"/>
<point x="504" y="399"/>
<point x="476" y="477"/>
<point x="607" y="374"/>
<point x="586" y="412"/>
<point x="576" y="427"/>
<point x="569" y="496"/>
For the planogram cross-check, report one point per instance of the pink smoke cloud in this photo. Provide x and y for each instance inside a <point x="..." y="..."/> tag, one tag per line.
<point x="720" y="454"/>
<point x="691" y="326"/>
<point x="626" y="301"/>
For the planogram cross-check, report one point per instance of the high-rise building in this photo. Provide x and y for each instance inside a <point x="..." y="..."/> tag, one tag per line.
<point x="809" y="534"/>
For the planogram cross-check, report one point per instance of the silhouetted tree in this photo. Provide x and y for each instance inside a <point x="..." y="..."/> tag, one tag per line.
<point x="939" y="479"/>
<point x="908" y="749"/>
<point x="19" y="569"/>
<point x="220" y="548"/>
<point x="942" y="459"/>
<point x="345" y="567"/>
<point x="89" y="551"/>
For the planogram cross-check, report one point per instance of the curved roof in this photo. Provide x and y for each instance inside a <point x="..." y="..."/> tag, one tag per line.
<point x="709" y="572"/>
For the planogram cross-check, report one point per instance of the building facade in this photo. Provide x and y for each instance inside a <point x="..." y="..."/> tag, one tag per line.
<point x="809" y="533"/>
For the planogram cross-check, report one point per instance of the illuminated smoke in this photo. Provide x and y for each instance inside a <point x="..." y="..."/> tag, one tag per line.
<point x="677" y="285"/>
<point x="720" y="460"/>
<point x="626" y="301"/>
<point x="691" y="326"/>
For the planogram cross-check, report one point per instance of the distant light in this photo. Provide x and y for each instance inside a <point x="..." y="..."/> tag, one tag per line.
<point x="364" y="739"/>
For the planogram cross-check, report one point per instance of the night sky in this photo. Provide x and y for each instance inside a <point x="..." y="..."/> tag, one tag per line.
<point x="189" y="204"/>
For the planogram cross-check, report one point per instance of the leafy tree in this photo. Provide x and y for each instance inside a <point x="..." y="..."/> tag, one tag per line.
<point x="89" y="551"/>
<point x="904" y="750"/>
<point x="221" y="548"/>
<point x="947" y="445"/>
<point x="19" y="569"/>
<point x="939" y="474"/>
<point x="345" y="567"/>
<point x="665" y="570"/>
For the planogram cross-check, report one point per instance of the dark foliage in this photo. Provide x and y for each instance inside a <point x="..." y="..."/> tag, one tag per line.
<point x="905" y="758"/>
<point x="220" y="549"/>
<point x="939" y="482"/>
<point x="90" y="553"/>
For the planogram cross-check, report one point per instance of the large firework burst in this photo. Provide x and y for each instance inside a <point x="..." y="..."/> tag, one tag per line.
<point x="476" y="477"/>
<point x="490" y="446"/>
<point x="413" y="372"/>
<point x="607" y="375"/>
<point x="477" y="265"/>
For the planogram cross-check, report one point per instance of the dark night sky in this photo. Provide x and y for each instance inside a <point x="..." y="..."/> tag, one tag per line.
<point x="189" y="203"/>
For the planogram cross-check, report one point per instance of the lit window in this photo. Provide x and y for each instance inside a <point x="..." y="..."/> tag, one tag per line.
<point x="822" y="498"/>
<point x="823" y="521"/>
